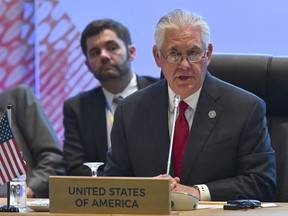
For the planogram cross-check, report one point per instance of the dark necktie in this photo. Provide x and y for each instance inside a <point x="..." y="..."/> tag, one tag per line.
<point x="116" y="100"/>
<point x="180" y="137"/>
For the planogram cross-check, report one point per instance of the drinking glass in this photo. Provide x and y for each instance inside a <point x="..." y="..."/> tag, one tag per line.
<point x="93" y="167"/>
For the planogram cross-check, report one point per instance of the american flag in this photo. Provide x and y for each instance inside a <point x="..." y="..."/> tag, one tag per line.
<point x="12" y="164"/>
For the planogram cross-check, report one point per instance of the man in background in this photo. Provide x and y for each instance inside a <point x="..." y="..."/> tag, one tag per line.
<point x="88" y="117"/>
<point x="35" y="138"/>
<point x="221" y="148"/>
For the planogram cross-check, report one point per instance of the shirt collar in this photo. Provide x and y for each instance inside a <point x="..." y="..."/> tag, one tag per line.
<point x="130" y="88"/>
<point x="192" y="100"/>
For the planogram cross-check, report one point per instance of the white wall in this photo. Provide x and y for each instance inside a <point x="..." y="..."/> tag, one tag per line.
<point x="243" y="26"/>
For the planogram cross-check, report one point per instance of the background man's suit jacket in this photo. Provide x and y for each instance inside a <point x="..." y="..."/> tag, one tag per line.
<point x="231" y="153"/>
<point x="86" y="128"/>
<point x="34" y="136"/>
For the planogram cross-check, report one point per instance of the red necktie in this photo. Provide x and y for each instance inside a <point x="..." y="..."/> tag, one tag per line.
<point x="180" y="137"/>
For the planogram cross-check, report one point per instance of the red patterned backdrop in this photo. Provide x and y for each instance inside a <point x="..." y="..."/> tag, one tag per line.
<point x="39" y="46"/>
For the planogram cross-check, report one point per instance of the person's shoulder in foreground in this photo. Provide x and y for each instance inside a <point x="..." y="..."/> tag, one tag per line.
<point x="35" y="137"/>
<point x="227" y="153"/>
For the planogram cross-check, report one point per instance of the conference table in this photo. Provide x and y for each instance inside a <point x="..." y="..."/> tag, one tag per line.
<point x="205" y="209"/>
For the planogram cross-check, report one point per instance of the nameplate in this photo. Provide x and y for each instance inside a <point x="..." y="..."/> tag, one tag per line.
<point x="109" y="195"/>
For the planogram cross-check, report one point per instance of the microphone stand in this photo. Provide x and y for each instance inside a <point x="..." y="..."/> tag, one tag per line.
<point x="176" y="102"/>
<point x="180" y="200"/>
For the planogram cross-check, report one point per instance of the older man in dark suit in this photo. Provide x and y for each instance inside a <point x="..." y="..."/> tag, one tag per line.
<point x="223" y="151"/>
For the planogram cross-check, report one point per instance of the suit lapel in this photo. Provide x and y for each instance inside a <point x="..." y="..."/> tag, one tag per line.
<point x="95" y="126"/>
<point x="159" y="129"/>
<point x="143" y="81"/>
<point x="100" y="131"/>
<point x="203" y="125"/>
<point x="158" y="103"/>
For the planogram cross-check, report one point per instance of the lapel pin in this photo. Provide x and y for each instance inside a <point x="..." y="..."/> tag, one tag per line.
<point x="212" y="114"/>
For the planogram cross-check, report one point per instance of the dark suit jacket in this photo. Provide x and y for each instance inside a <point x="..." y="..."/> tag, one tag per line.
<point x="86" y="130"/>
<point x="34" y="136"/>
<point x="230" y="153"/>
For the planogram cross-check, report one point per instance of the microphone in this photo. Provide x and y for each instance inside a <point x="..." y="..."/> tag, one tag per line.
<point x="180" y="200"/>
<point x="176" y="102"/>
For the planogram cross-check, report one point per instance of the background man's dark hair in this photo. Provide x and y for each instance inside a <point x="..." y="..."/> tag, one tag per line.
<point x="96" y="27"/>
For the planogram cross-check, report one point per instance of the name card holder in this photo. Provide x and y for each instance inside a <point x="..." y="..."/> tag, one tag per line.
<point x="109" y="195"/>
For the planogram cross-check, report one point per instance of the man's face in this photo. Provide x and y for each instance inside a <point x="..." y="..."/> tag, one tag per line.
<point x="107" y="56"/>
<point x="183" y="77"/>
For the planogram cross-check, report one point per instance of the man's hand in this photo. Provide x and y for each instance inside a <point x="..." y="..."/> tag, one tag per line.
<point x="176" y="186"/>
<point x="30" y="193"/>
<point x="173" y="181"/>
<point x="187" y="189"/>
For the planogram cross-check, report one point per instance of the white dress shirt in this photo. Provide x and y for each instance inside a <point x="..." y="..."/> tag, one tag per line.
<point x="111" y="107"/>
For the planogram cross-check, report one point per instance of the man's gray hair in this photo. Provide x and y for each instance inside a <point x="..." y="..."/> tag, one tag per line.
<point x="181" y="19"/>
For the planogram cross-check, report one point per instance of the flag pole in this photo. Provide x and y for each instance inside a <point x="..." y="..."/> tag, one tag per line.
<point x="8" y="208"/>
<point x="9" y="107"/>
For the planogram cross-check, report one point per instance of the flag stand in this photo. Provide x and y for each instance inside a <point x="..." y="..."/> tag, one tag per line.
<point x="8" y="207"/>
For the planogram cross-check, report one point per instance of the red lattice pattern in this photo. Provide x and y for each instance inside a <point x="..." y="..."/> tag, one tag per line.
<point x="49" y="59"/>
